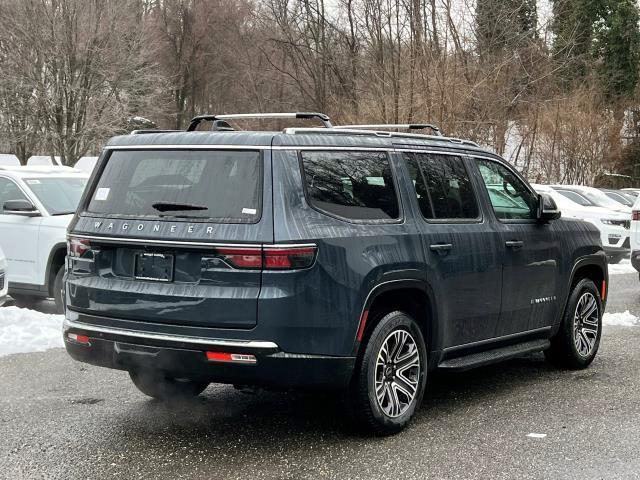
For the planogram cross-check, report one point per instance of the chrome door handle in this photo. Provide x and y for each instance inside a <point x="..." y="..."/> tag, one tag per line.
<point x="515" y="244"/>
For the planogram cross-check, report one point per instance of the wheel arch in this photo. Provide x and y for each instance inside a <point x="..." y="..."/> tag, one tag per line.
<point x="412" y="296"/>
<point x="56" y="260"/>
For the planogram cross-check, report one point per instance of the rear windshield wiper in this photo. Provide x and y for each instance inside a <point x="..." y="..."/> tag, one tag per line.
<point x="177" y="207"/>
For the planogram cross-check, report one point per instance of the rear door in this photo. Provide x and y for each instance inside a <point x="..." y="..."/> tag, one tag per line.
<point x="174" y="236"/>
<point x="463" y="256"/>
<point x="531" y="251"/>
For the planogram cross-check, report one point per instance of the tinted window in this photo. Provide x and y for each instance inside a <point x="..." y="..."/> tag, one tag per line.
<point x="9" y="191"/>
<point x="509" y="196"/>
<point x="223" y="186"/>
<point x="355" y="185"/>
<point x="59" y="195"/>
<point x="443" y="187"/>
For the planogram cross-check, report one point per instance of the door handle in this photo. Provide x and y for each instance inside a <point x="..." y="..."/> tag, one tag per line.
<point x="441" y="248"/>
<point x="515" y="244"/>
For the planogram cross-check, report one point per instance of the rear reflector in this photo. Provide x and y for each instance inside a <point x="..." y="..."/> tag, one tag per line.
<point x="635" y="215"/>
<point x="230" y="357"/>
<point x="82" y="339"/>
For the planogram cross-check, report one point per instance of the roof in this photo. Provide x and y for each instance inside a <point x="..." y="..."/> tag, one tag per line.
<point x="31" y="171"/>
<point x="293" y="137"/>
<point x="37" y="160"/>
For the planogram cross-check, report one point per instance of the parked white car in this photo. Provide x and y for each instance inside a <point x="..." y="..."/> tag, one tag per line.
<point x="614" y="226"/>
<point x="3" y="278"/>
<point x="594" y="196"/>
<point x="36" y="206"/>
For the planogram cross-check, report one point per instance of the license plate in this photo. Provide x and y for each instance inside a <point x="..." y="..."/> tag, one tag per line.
<point x="154" y="266"/>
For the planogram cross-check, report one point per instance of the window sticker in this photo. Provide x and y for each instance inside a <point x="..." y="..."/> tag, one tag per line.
<point x="249" y="211"/>
<point x="33" y="182"/>
<point x="102" y="194"/>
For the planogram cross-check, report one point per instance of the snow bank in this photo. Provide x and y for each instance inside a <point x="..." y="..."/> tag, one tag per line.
<point x="23" y="330"/>
<point x="624" y="319"/>
<point x="621" y="268"/>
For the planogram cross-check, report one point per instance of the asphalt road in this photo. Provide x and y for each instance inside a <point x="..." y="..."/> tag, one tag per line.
<point x="62" y="419"/>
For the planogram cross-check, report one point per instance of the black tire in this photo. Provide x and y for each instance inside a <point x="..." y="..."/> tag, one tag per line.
<point x="371" y="413"/>
<point x="158" y="385"/>
<point x="25" y="301"/>
<point x="567" y="345"/>
<point x="57" y="290"/>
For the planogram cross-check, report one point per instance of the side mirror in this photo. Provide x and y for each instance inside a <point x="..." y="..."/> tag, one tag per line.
<point x="20" y="207"/>
<point x="547" y="208"/>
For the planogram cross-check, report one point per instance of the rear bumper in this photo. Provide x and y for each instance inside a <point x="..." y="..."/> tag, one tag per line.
<point x="184" y="357"/>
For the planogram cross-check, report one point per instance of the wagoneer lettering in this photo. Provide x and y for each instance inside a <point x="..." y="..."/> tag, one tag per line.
<point x="335" y="258"/>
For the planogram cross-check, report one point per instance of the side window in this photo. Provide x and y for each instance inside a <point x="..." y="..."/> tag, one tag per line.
<point x="443" y="186"/>
<point x="353" y="185"/>
<point x="510" y="198"/>
<point x="9" y="191"/>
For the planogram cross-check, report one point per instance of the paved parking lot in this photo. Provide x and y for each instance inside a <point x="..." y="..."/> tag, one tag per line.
<point x="61" y="419"/>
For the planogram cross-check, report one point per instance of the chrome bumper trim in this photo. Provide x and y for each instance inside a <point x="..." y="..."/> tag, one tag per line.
<point x="215" y="342"/>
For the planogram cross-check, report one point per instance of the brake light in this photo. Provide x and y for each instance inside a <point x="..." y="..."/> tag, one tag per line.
<point x="269" y="257"/>
<point x="635" y="215"/>
<point x="76" y="247"/>
<point x="82" y="339"/>
<point x="249" y="257"/>
<point x="282" y="258"/>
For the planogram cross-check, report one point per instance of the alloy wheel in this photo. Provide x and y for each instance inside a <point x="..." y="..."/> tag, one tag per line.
<point x="586" y="324"/>
<point x="397" y="373"/>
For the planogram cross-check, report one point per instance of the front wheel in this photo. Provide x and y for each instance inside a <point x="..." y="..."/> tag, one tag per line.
<point x="160" y="386"/>
<point x="58" y="290"/>
<point x="576" y="343"/>
<point x="391" y="375"/>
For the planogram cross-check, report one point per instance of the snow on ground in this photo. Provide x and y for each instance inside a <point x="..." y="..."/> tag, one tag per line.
<point x="624" y="319"/>
<point x="23" y="330"/>
<point x="621" y="268"/>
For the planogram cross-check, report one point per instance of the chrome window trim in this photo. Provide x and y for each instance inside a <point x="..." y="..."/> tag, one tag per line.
<point x="252" y="344"/>
<point x="152" y="146"/>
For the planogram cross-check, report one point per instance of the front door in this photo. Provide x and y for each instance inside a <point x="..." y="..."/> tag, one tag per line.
<point x="18" y="236"/>
<point x="531" y="251"/>
<point x="461" y="250"/>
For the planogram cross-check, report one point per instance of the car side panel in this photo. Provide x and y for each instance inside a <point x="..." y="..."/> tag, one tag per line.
<point x="319" y="310"/>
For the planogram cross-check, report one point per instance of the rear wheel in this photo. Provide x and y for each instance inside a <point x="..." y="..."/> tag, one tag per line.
<point x="391" y="375"/>
<point x="163" y="387"/>
<point x="576" y="343"/>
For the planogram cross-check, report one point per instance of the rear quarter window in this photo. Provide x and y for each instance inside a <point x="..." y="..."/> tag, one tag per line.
<point x="351" y="185"/>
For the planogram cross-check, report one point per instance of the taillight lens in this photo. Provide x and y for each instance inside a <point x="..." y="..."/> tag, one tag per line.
<point x="635" y="215"/>
<point x="250" y="257"/>
<point x="269" y="257"/>
<point x="284" y="258"/>
<point x="76" y="247"/>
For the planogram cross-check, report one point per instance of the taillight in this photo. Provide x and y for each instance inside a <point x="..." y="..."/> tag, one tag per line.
<point x="270" y="257"/>
<point x="283" y="258"/>
<point x="635" y="215"/>
<point x="76" y="247"/>
<point x="250" y="257"/>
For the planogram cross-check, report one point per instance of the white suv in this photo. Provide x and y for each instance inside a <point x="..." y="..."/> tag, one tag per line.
<point x="36" y="206"/>
<point x="3" y="278"/>
<point x="613" y="225"/>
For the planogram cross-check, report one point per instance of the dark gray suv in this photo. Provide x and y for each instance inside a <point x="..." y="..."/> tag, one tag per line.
<point x="345" y="258"/>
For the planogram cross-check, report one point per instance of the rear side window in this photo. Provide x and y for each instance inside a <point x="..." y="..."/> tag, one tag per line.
<point x="216" y="185"/>
<point x="353" y="185"/>
<point x="442" y="186"/>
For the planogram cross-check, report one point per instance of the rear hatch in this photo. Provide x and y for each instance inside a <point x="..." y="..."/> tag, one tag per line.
<point x="173" y="236"/>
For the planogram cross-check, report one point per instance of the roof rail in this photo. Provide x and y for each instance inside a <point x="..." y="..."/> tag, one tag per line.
<point x="195" y="121"/>
<point x="407" y="126"/>
<point x="345" y="130"/>
<point x="151" y="130"/>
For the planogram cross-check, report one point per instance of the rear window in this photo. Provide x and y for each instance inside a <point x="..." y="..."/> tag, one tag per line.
<point x="216" y="185"/>
<point x="352" y="185"/>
